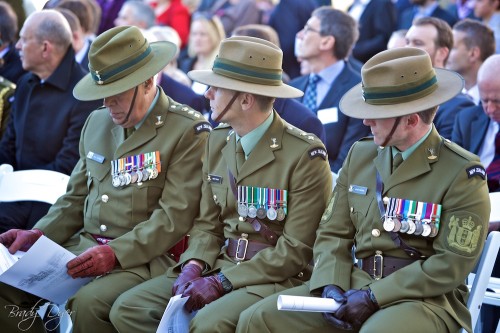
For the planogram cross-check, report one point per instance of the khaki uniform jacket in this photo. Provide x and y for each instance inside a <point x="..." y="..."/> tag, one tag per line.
<point x="144" y="219"/>
<point x="285" y="158"/>
<point x="7" y="90"/>
<point x="438" y="171"/>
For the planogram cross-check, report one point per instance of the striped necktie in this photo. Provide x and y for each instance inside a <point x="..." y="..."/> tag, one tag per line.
<point x="493" y="170"/>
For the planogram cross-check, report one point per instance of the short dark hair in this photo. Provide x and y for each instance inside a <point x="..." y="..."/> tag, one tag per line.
<point x="477" y="35"/>
<point x="340" y="25"/>
<point x="428" y="115"/>
<point x="8" y="23"/>
<point x="264" y="102"/>
<point x="444" y="33"/>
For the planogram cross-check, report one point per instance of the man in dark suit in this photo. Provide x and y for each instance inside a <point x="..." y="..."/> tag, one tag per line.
<point x="46" y="120"/>
<point x="325" y="42"/>
<point x="297" y="12"/>
<point x="435" y="36"/>
<point x="424" y="8"/>
<point x="10" y="64"/>
<point x="376" y="19"/>
<point x="477" y="130"/>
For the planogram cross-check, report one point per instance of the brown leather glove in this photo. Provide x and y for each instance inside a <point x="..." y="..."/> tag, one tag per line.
<point x="359" y="306"/>
<point x="18" y="239"/>
<point x="97" y="260"/>
<point x="203" y="291"/>
<point x="189" y="273"/>
<point x="337" y="293"/>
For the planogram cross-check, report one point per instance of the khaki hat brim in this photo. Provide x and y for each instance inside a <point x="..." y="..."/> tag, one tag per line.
<point x="87" y="89"/>
<point x="353" y="105"/>
<point x="210" y="78"/>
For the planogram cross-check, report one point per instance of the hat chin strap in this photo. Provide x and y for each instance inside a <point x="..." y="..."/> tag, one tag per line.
<point x="389" y="137"/>
<point x="236" y="94"/>
<point x="131" y="107"/>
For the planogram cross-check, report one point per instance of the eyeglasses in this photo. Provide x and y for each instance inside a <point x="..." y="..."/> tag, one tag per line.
<point x="308" y="28"/>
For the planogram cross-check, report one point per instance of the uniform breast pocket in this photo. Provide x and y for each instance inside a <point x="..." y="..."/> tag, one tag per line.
<point x="96" y="173"/>
<point x="148" y="192"/>
<point x="359" y="206"/>
<point x="220" y="193"/>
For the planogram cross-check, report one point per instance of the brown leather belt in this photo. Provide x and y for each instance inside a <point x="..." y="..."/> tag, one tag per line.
<point x="175" y="252"/>
<point x="242" y="249"/>
<point x="379" y="266"/>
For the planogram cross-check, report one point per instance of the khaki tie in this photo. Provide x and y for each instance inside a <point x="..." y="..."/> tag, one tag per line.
<point x="396" y="161"/>
<point x="240" y="155"/>
<point x="129" y="131"/>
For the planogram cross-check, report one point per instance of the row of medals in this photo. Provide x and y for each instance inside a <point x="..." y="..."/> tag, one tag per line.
<point x="271" y="213"/>
<point x="134" y="176"/>
<point x="426" y="228"/>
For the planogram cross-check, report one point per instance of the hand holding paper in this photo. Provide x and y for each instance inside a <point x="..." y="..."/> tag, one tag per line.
<point x="17" y="239"/>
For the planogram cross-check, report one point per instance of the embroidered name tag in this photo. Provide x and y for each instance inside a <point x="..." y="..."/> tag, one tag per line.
<point x="476" y="170"/>
<point x="203" y="127"/>
<point x="317" y="152"/>
<point x="214" y="179"/>
<point x="356" y="189"/>
<point x="95" y="157"/>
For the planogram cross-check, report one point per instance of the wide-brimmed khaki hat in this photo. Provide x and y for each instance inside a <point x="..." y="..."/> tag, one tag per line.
<point x="247" y="64"/>
<point x="399" y="82"/>
<point x="120" y="59"/>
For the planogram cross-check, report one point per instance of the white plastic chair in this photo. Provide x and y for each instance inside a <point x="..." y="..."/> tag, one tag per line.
<point x="481" y="278"/>
<point x="35" y="185"/>
<point x="31" y="185"/>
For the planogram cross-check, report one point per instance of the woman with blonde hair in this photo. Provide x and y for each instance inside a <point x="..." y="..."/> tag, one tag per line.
<point x="204" y="38"/>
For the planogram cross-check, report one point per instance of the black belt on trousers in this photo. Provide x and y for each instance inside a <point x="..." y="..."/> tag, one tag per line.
<point x="379" y="266"/>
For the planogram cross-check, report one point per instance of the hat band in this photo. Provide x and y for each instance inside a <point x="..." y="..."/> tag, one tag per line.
<point x="101" y="77"/>
<point x="234" y="70"/>
<point x="417" y="90"/>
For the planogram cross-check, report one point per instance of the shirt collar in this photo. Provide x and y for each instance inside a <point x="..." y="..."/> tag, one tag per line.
<point x="412" y="148"/>
<point x="330" y="73"/>
<point x="249" y="141"/>
<point x="151" y="107"/>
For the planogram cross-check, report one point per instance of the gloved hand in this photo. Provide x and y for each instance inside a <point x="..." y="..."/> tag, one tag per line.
<point x="97" y="260"/>
<point x="360" y="305"/>
<point x="337" y="293"/>
<point x="189" y="273"/>
<point x="18" y="239"/>
<point x="203" y="291"/>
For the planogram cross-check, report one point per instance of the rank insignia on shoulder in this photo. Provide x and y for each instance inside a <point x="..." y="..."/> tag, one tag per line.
<point x="476" y="170"/>
<point x="317" y="152"/>
<point x="214" y="179"/>
<point x="202" y="127"/>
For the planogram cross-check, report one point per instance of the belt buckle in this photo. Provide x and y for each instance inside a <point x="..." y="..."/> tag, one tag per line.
<point x="242" y="240"/>
<point x="378" y="260"/>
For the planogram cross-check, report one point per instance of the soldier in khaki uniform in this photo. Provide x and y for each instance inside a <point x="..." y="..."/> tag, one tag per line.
<point x="417" y="228"/>
<point x="7" y="90"/>
<point x="265" y="185"/>
<point x="135" y="190"/>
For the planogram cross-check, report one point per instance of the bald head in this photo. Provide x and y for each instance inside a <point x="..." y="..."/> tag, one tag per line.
<point x="489" y="69"/>
<point x="49" y="25"/>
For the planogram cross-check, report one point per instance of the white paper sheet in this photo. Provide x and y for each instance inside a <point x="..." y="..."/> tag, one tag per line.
<point x="176" y="318"/>
<point x="42" y="271"/>
<point x="307" y="304"/>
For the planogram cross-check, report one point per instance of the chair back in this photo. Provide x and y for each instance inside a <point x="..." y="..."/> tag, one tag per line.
<point x="31" y="185"/>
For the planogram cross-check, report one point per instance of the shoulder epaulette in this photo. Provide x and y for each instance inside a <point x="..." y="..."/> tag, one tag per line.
<point x="459" y="150"/>
<point x="222" y="126"/>
<point x="185" y="110"/>
<point x="4" y="83"/>
<point x="308" y="137"/>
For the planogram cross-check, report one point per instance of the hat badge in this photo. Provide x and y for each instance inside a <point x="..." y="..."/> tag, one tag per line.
<point x="99" y="79"/>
